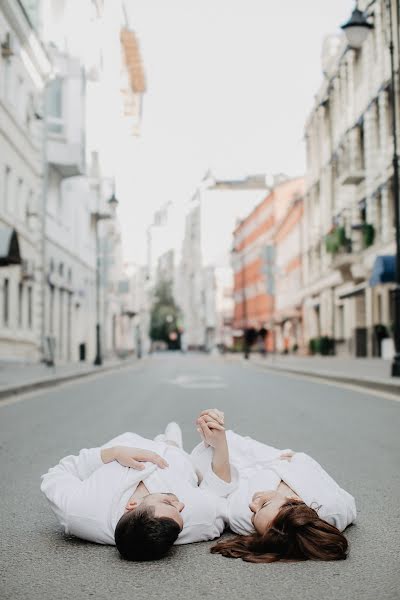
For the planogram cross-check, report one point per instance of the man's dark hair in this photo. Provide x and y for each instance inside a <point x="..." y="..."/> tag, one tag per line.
<point x="140" y="535"/>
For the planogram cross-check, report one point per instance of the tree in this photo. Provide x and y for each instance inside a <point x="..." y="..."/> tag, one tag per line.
<point x="165" y="316"/>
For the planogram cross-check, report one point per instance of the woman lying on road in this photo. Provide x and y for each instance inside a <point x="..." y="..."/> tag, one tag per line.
<point x="300" y="512"/>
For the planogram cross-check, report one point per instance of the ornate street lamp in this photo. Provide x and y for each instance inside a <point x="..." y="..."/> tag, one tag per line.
<point x="356" y="30"/>
<point x="98" y="216"/>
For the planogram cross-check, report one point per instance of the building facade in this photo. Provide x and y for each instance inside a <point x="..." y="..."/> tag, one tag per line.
<point x="254" y="259"/>
<point x="288" y="243"/>
<point x="67" y="64"/>
<point x="206" y="276"/>
<point x="349" y="203"/>
<point x="24" y="69"/>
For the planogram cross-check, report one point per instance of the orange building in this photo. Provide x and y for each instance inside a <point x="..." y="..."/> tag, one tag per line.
<point x="254" y="258"/>
<point x="287" y="318"/>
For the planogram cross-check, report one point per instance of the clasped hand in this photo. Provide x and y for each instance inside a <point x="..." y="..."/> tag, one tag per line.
<point x="210" y="425"/>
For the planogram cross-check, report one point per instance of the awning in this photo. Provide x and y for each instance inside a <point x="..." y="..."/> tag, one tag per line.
<point x="384" y="270"/>
<point x="9" y="247"/>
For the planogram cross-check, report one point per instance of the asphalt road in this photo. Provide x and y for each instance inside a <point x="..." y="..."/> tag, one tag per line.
<point x="355" y="435"/>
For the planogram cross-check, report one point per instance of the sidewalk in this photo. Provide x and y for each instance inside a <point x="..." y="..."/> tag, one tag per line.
<point x="18" y="378"/>
<point x="372" y="373"/>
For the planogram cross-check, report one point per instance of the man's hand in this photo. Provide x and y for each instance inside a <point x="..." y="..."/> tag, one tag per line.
<point x="215" y="416"/>
<point x="287" y="455"/>
<point x="132" y="457"/>
<point x="211" y="432"/>
<point x="210" y="425"/>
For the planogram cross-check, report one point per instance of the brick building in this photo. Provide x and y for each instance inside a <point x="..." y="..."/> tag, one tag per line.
<point x="254" y="258"/>
<point x="288" y="321"/>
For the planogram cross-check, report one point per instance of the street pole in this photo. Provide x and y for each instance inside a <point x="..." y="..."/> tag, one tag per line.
<point x="396" y="200"/>
<point x="98" y="361"/>
<point x="43" y="230"/>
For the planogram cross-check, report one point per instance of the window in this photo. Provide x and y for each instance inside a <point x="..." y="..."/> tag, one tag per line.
<point x="51" y="310"/>
<point x="20" y="303"/>
<point x="19" y="199"/>
<point x="360" y="160"/>
<point x="6" y="191"/>
<point x="6" y="292"/>
<point x="29" y="209"/>
<point x="378" y="217"/>
<point x="54" y="106"/>
<point x="7" y="79"/>
<point x="340" y="322"/>
<point x="19" y="98"/>
<point x="30" y="308"/>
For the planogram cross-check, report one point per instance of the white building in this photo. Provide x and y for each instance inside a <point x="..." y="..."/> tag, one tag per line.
<point x="349" y="204"/>
<point x="96" y="66"/>
<point x="24" y="67"/>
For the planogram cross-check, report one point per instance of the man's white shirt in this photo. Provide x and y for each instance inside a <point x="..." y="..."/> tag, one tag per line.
<point x="89" y="497"/>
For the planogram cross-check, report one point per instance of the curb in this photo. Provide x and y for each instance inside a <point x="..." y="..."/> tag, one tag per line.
<point x="36" y="384"/>
<point x="365" y="382"/>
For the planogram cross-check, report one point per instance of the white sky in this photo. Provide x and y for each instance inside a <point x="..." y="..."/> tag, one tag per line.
<point x="230" y="84"/>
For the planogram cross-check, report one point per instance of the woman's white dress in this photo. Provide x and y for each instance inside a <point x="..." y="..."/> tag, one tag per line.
<point x="260" y="468"/>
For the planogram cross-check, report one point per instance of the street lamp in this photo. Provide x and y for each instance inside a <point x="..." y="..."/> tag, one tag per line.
<point x="356" y="30"/>
<point x="98" y="216"/>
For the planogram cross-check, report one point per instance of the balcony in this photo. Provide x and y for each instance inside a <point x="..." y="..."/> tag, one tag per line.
<point x="352" y="175"/>
<point x="66" y="158"/>
<point x="64" y="117"/>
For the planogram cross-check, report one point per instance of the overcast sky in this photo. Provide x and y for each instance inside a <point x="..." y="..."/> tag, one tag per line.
<point x="230" y="84"/>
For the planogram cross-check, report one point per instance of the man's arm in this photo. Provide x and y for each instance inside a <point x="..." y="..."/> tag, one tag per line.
<point x="66" y="480"/>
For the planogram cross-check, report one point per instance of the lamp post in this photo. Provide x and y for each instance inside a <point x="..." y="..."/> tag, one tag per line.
<point x="98" y="216"/>
<point x="356" y="30"/>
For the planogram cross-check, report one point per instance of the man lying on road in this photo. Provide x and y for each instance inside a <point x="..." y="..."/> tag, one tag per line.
<point x="142" y="495"/>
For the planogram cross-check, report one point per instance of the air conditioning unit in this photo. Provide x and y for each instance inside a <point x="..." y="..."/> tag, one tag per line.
<point x="7" y="50"/>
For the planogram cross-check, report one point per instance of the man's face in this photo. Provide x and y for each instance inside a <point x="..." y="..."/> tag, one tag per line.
<point x="165" y="505"/>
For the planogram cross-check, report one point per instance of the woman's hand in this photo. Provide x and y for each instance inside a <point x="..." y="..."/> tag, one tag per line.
<point x="214" y="417"/>
<point x="211" y="432"/>
<point x="132" y="457"/>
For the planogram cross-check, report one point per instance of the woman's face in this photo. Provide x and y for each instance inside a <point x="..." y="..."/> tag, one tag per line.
<point x="265" y="506"/>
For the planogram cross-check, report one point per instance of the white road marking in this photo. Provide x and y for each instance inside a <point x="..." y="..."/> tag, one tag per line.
<point x="199" y="382"/>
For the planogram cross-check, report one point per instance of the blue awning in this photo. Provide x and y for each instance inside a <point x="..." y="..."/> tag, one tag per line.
<point x="384" y="270"/>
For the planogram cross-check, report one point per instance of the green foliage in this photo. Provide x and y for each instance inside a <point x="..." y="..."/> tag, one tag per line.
<point x="323" y="345"/>
<point x="368" y="234"/>
<point x="165" y="315"/>
<point x="336" y="239"/>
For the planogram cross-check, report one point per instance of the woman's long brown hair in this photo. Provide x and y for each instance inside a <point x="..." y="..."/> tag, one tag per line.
<point x="296" y="533"/>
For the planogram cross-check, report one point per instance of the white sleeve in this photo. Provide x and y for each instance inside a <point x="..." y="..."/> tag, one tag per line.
<point x="201" y="458"/>
<point x="64" y="480"/>
<point x="318" y="489"/>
